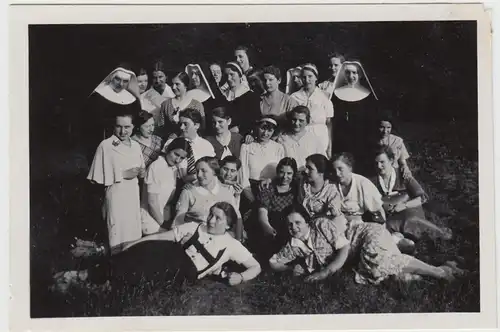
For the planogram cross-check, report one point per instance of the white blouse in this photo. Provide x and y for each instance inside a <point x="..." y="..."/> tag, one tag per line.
<point x="258" y="161"/>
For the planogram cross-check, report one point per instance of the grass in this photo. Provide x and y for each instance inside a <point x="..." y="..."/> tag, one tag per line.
<point x="448" y="170"/>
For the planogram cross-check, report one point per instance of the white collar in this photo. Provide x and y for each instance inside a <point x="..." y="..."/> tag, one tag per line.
<point x="300" y="244"/>
<point x="353" y="184"/>
<point x="206" y="192"/>
<point x="392" y="182"/>
<point x="123" y="97"/>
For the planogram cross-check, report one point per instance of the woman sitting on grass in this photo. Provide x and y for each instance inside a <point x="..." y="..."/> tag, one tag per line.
<point x="318" y="248"/>
<point x="187" y="252"/>
<point x="403" y="199"/>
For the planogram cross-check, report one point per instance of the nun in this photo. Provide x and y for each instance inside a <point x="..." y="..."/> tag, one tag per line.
<point x="118" y="93"/>
<point x="293" y="80"/>
<point x="355" y="105"/>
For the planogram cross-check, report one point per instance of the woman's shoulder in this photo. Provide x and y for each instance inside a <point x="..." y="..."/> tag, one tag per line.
<point x="236" y="137"/>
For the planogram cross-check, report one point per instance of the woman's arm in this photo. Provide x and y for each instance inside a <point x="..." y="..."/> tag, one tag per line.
<point x="415" y="202"/>
<point x="334" y="266"/>
<point x="330" y="133"/>
<point x="155" y="209"/>
<point x="263" y="219"/>
<point x="252" y="270"/>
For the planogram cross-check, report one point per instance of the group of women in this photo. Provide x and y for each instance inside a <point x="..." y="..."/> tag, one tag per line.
<point x="223" y="166"/>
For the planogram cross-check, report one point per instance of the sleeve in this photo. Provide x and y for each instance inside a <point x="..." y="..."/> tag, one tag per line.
<point x="280" y="151"/>
<point x="245" y="171"/>
<point x="328" y="108"/>
<point x="333" y="200"/>
<point x="182" y="230"/>
<point x="210" y="151"/>
<point x="153" y="180"/>
<point x="291" y="104"/>
<point x="184" y="202"/>
<point x="334" y="231"/>
<point x="238" y="253"/>
<point x="287" y="254"/>
<point x="415" y="189"/>
<point x="404" y="152"/>
<point x="372" y="199"/>
<point x="103" y="170"/>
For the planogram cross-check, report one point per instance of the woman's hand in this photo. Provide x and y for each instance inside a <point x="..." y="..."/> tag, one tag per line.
<point x="235" y="278"/>
<point x="269" y="230"/>
<point x="131" y="173"/>
<point x="318" y="276"/>
<point x="264" y="184"/>
<point x="398" y="207"/>
<point x="335" y="210"/>
<point x="249" y="139"/>
<point x="238" y="188"/>
<point x="142" y="172"/>
<point x="172" y="136"/>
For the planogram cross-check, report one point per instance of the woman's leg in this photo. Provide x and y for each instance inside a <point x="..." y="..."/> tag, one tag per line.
<point x="416" y="266"/>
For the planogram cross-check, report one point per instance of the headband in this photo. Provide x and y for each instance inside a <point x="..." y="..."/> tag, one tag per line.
<point x="236" y="66"/>
<point x="269" y="120"/>
<point x="312" y="68"/>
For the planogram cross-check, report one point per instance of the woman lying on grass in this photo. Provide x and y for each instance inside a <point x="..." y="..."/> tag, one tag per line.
<point x="319" y="248"/>
<point x="188" y="252"/>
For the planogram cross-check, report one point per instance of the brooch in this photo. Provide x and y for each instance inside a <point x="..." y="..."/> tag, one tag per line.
<point x="116" y="143"/>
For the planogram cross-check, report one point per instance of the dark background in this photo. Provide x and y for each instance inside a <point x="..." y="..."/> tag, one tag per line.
<point x="425" y="71"/>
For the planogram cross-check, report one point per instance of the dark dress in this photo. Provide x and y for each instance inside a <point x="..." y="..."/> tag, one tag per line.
<point x="98" y="119"/>
<point x="352" y="128"/>
<point x="234" y="145"/>
<point x="245" y="111"/>
<point x="412" y="221"/>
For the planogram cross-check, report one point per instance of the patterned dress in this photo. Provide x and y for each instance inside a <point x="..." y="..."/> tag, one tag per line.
<point x="371" y="246"/>
<point x="150" y="152"/>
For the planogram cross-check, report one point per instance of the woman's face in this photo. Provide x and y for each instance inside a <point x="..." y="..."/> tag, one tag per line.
<point x="147" y="128"/>
<point x="178" y="87"/>
<point x="285" y="175"/>
<point x="205" y="174"/>
<point x="271" y="82"/>
<point x="142" y="82"/>
<point x="123" y="127"/>
<point x="312" y="173"/>
<point x="385" y="128"/>
<point x="195" y="78"/>
<point x="120" y="81"/>
<point x="216" y="72"/>
<point x="384" y="164"/>
<point x="255" y="83"/>
<point x="297" y="225"/>
<point x="297" y="79"/>
<point x="233" y="78"/>
<point x="221" y="125"/>
<point x="351" y="74"/>
<point x="309" y="78"/>
<point x="217" y="221"/>
<point x="175" y="157"/>
<point x="242" y="59"/>
<point x="265" y="132"/>
<point x="335" y="65"/>
<point x="342" y="171"/>
<point x="159" y="79"/>
<point x="299" y="122"/>
<point x="188" y="127"/>
<point x="229" y="173"/>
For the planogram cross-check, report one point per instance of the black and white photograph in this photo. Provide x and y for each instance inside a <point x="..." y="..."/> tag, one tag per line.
<point x="190" y="167"/>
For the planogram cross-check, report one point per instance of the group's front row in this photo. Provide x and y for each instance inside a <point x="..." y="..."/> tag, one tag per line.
<point x="310" y="221"/>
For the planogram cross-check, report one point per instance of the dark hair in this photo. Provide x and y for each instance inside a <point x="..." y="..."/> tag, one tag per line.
<point x="234" y="67"/>
<point x="346" y="157"/>
<point x="141" y="118"/>
<point x="322" y="164"/>
<point x="141" y="72"/>
<point x="178" y="143"/>
<point x="212" y="162"/>
<point x="385" y="116"/>
<point x="272" y="70"/>
<point x="384" y="149"/>
<point x="337" y="55"/>
<point x="184" y="78"/>
<point x="158" y="66"/>
<point x="287" y="161"/>
<point x="124" y="114"/>
<point x="297" y="208"/>
<point x="192" y="114"/>
<point x="221" y="112"/>
<point x="255" y="78"/>
<point x="261" y="124"/>
<point x="231" y="160"/>
<point x="229" y="211"/>
<point x="300" y="110"/>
